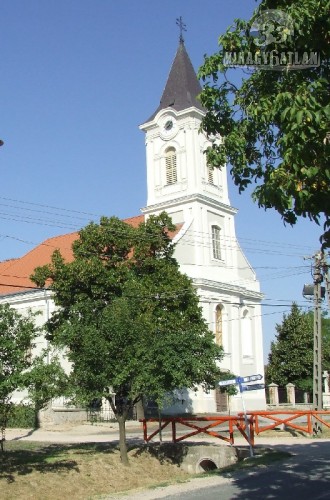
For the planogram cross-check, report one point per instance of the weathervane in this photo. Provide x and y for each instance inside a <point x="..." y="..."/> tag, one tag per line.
<point x="182" y="27"/>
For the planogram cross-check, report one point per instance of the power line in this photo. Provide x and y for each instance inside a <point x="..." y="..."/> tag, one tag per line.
<point x="50" y="206"/>
<point x="202" y="234"/>
<point x="190" y="242"/>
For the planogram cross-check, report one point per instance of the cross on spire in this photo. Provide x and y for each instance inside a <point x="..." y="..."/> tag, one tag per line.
<point x="182" y="28"/>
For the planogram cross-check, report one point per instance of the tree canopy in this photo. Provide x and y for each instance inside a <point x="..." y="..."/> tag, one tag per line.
<point x="19" y="369"/>
<point x="128" y="317"/>
<point x="291" y="355"/>
<point x="274" y="120"/>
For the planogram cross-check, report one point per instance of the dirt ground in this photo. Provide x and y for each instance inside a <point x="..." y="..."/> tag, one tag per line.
<point x="108" y="433"/>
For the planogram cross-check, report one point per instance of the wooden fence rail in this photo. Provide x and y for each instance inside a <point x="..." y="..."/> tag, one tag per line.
<point x="223" y="426"/>
<point x="301" y="420"/>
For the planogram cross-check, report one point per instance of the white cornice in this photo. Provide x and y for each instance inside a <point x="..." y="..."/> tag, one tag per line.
<point x="226" y="287"/>
<point x="193" y="112"/>
<point x="190" y="199"/>
<point x="27" y="296"/>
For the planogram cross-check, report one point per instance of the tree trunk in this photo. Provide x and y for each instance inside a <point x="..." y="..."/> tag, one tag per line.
<point x="121" y="412"/>
<point x="139" y="409"/>
<point x="122" y="439"/>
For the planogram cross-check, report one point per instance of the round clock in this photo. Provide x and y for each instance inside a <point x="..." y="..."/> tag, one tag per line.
<point x="168" y="127"/>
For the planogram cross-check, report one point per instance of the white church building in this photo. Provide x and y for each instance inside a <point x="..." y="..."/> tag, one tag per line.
<point x="180" y="182"/>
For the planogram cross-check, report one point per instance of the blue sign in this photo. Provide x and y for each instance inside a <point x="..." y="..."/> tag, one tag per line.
<point x="250" y="378"/>
<point x="223" y="383"/>
<point x="253" y="387"/>
<point x="240" y="380"/>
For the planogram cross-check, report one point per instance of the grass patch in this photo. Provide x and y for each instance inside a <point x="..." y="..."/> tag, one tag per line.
<point x="44" y="471"/>
<point x="265" y="458"/>
<point x="325" y="432"/>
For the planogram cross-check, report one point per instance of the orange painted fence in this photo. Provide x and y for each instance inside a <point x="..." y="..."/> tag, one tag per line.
<point x="226" y="425"/>
<point x="299" y="420"/>
<point x="223" y="426"/>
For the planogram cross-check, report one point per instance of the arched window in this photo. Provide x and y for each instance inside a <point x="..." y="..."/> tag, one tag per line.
<point x="171" y="169"/>
<point x="216" y="246"/>
<point x="218" y="325"/>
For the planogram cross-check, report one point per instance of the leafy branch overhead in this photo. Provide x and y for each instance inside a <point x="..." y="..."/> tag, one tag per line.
<point x="274" y="124"/>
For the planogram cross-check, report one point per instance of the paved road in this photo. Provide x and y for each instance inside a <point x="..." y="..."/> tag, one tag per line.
<point x="304" y="476"/>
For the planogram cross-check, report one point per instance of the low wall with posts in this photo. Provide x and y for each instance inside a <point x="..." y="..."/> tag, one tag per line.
<point x="287" y="396"/>
<point x="290" y="396"/>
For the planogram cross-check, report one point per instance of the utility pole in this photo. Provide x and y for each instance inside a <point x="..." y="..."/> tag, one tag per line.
<point x="317" y="364"/>
<point x="325" y="270"/>
<point x="320" y="272"/>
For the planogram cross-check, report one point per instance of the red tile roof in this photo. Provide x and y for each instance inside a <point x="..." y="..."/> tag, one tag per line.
<point x="14" y="273"/>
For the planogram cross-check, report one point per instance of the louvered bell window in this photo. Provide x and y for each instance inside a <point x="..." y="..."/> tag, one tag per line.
<point x="171" y="168"/>
<point x="209" y="170"/>
<point x="210" y="175"/>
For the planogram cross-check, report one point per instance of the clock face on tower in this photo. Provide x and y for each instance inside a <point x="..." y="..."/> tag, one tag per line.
<point x="168" y="127"/>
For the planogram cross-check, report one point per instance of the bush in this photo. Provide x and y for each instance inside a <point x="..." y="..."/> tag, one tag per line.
<point x="23" y="416"/>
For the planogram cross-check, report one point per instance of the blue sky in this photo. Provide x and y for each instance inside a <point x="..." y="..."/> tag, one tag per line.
<point x="77" y="79"/>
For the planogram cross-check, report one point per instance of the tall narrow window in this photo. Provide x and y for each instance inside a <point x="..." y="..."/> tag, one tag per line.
<point x="171" y="169"/>
<point x="216" y="242"/>
<point x="218" y="325"/>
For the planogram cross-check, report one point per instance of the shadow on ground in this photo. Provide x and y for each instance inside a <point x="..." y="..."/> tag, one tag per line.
<point x="24" y="458"/>
<point x="304" y="475"/>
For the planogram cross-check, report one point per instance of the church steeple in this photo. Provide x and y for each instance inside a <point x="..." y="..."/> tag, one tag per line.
<point x="176" y="163"/>
<point x="182" y="86"/>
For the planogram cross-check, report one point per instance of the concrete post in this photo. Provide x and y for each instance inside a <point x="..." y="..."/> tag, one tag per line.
<point x="326" y="381"/>
<point x="139" y="410"/>
<point x="306" y="398"/>
<point x="273" y="394"/>
<point x="290" y="392"/>
<point x="326" y="393"/>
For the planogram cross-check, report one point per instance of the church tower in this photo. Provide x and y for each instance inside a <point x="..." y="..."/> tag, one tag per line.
<point x="181" y="183"/>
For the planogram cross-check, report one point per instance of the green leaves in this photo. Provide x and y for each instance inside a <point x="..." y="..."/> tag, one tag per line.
<point x="127" y="317"/>
<point x="291" y="354"/>
<point x="275" y="124"/>
<point x="16" y="341"/>
<point x="19" y="369"/>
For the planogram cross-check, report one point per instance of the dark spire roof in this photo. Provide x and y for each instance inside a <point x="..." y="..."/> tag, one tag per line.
<point x="182" y="86"/>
